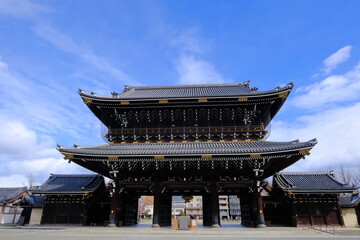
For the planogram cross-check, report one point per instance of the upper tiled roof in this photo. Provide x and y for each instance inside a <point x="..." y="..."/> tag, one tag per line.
<point x="7" y="194"/>
<point x="187" y="91"/>
<point x="310" y="182"/>
<point x="189" y="148"/>
<point x="67" y="183"/>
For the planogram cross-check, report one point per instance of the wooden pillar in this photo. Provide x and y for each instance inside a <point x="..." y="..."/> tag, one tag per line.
<point x="114" y="206"/>
<point x="215" y="216"/>
<point x="295" y="214"/>
<point x="156" y="212"/>
<point x="165" y="210"/>
<point x="206" y="201"/>
<point x="260" y="211"/>
<point x="340" y="215"/>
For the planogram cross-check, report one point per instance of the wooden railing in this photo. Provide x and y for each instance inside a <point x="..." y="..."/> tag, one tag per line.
<point x="188" y="130"/>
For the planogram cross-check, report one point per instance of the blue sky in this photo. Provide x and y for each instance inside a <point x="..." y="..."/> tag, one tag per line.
<point x="50" y="49"/>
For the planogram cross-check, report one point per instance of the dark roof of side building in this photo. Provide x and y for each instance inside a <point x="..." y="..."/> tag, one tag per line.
<point x="35" y="201"/>
<point x="187" y="91"/>
<point x="349" y="200"/>
<point x="310" y="182"/>
<point x="67" y="183"/>
<point x="189" y="148"/>
<point x="9" y="194"/>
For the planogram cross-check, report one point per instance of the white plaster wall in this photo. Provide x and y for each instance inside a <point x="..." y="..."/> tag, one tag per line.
<point x="35" y="218"/>
<point x="349" y="216"/>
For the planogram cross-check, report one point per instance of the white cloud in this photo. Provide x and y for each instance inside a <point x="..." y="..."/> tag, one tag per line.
<point x="31" y="11"/>
<point x="66" y="44"/>
<point x="47" y="109"/>
<point x="21" y="8"/>
<point x="331" y="91"/>
<point x="34" y="115"/>
<point x="15" y="139"/>
<point x="25" y="153"/>
<point x="30" y="116"/>
<point x="337" y="131"/>
<point x="336" y="58"/>
<point x="189" y="40"/>
<point x="191" y="67"/>
<point x="333" y="118"/>
<point x="14" y="180"/>
<point x="193" y="70"/>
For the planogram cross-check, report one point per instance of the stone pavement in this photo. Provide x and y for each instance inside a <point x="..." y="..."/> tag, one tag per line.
<point x="146" y="232"/>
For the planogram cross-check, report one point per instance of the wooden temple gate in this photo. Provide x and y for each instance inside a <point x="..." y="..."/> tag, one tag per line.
<point x="192" y="139"/>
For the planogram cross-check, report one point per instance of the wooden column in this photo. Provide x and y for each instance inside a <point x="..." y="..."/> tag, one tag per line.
<point x="260" y="211"/>
<point x="206" y="204"/>
<point x="340" y="215"/>
<point x="156" y="213"/>
<point x="114" y="206"/>
<point x="165" y="210"/>
<point x="295" y="214"/>
<point x="215" y="216"/>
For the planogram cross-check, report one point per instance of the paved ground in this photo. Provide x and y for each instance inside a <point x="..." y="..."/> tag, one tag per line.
<point x="146" y="232"/>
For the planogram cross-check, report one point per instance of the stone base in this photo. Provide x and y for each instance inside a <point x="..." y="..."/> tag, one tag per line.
<point x="155" y="225"/>
<point x="215" y="226"/>
<point x="261" y="226"/>
<point x="111" y="225"/>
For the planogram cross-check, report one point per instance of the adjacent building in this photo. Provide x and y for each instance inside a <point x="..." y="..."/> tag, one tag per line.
<point x="234" y="207"/>
<point x="10" y="201"/>
<point x="78" y="199"/>
<point x="306" y="198"/>
<point x="194" y="207"/>
<point x="224" y="207"/>
<point x="349" y="204"/>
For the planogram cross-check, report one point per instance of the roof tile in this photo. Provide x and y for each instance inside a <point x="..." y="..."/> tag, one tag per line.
<point x="191" y="148"/>
<point x="70" y="183"/>
<point x="303" y="182"/>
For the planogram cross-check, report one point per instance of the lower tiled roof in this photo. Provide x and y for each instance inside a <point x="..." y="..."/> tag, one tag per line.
<point x="310" y="182"/>
<point x="189" y="148"/>
<point x="7" y="194"/>
<point x="35" y="201"/>
<point x="70" y="183"/>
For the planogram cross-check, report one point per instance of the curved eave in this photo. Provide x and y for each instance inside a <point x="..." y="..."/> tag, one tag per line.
<point x="282" y="92"/>
<point x="15" y="198"/>
<point x="62" y="192"/>
<point x="70" y="153"/>
<point x="318" y="191"/>
<point x="282" y="183"/>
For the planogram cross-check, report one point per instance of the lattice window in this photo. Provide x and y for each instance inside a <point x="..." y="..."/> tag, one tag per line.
<point x="190" y="118"/>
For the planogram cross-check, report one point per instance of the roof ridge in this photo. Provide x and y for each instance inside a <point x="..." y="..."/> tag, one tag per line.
<point x="11" y="188"/>
<point x="184" y="91"/>
<point x="74" y="175"/>
<point x="184" y="143"/>
<point x="190" y="85"/>
<point x="94" y="182"/>
<point x="282" y="181"/>
<point x="333" y="177"/>
<point x="305" y="173"/>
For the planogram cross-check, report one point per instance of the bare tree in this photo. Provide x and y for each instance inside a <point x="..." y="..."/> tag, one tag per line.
<point x="348" y="176"/>
<point x="30" y="181"/>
